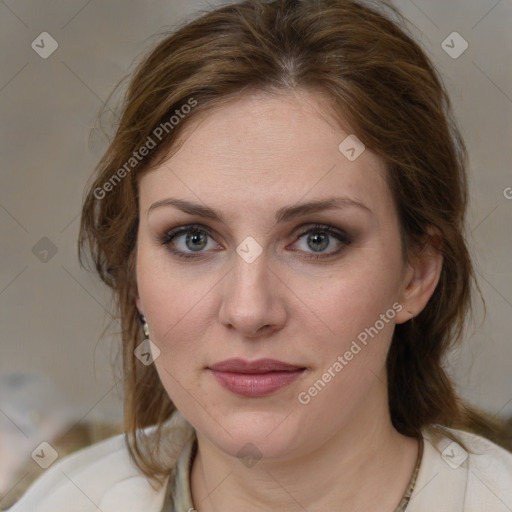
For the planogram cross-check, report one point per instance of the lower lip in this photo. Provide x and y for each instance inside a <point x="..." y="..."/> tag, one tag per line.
<point x="256" y="384"/>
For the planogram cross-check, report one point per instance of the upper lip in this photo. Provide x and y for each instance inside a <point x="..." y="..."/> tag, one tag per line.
<point x="258" y="366"/>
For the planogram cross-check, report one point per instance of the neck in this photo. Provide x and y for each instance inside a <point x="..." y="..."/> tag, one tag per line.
<point x="367" y="465"/>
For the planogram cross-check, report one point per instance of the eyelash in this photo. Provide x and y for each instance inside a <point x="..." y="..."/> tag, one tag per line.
<point x="340" y="235"/>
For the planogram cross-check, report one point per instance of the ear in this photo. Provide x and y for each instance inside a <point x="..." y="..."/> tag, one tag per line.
<point x="421" y="277"/>
<point x="138" y="303"/>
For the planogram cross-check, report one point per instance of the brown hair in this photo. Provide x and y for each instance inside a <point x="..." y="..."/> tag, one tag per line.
<point x="387" y="90"/>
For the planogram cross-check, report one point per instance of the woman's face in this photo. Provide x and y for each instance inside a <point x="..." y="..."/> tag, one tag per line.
<point x="256" y="280"/>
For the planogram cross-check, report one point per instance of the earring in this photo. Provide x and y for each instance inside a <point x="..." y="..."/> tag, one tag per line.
<point x="145" y="328"/>
<point x="147" y="351"/>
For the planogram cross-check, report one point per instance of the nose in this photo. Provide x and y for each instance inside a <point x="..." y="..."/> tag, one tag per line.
<point x="253" y="301"/>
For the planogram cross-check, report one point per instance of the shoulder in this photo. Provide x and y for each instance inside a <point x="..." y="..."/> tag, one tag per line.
<point x="100" y="477"/>
<point x="489" y="485"/>
<point x="462" y="471"/>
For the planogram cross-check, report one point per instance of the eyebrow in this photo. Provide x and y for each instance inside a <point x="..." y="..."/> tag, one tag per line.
<point x="282" y="215"/>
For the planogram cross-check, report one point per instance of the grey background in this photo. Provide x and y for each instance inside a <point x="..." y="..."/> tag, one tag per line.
<point x="53" y="313"/>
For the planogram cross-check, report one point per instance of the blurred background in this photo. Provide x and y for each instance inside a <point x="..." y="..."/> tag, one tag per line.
<point x="59" y="61"/>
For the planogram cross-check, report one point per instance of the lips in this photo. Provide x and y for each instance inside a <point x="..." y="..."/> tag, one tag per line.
<point x="251" y="367"/>
<point x="255" y="378"/>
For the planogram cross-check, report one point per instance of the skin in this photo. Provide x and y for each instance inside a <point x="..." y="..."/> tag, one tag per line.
<point x="249" y="158"/>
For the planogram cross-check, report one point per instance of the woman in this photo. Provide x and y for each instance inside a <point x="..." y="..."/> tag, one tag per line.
<point x="281" y="215"/>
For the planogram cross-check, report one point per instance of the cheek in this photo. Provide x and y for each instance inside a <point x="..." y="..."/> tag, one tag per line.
<point x="358" y="308"/>
<point x="172" y="303"/>
<point x="353" y="299"/>
<point x="353" y="353"/>
<point x="178" y="303"/>
<point x="174" y="307"/>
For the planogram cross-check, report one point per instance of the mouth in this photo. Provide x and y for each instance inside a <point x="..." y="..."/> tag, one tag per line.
<point x="255" y="378"/>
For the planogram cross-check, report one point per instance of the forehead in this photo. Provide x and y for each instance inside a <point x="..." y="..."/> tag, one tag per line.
<point x="265" y="151"/>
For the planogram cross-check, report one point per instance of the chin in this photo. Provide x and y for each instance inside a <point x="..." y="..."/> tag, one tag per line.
<point x="255" y="434"/>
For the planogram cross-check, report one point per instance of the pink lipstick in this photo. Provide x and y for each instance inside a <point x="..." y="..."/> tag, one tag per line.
<point x="255" y="378"/>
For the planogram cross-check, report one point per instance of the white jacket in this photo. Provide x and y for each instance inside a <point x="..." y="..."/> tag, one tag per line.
<point x="103" y="478"/>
